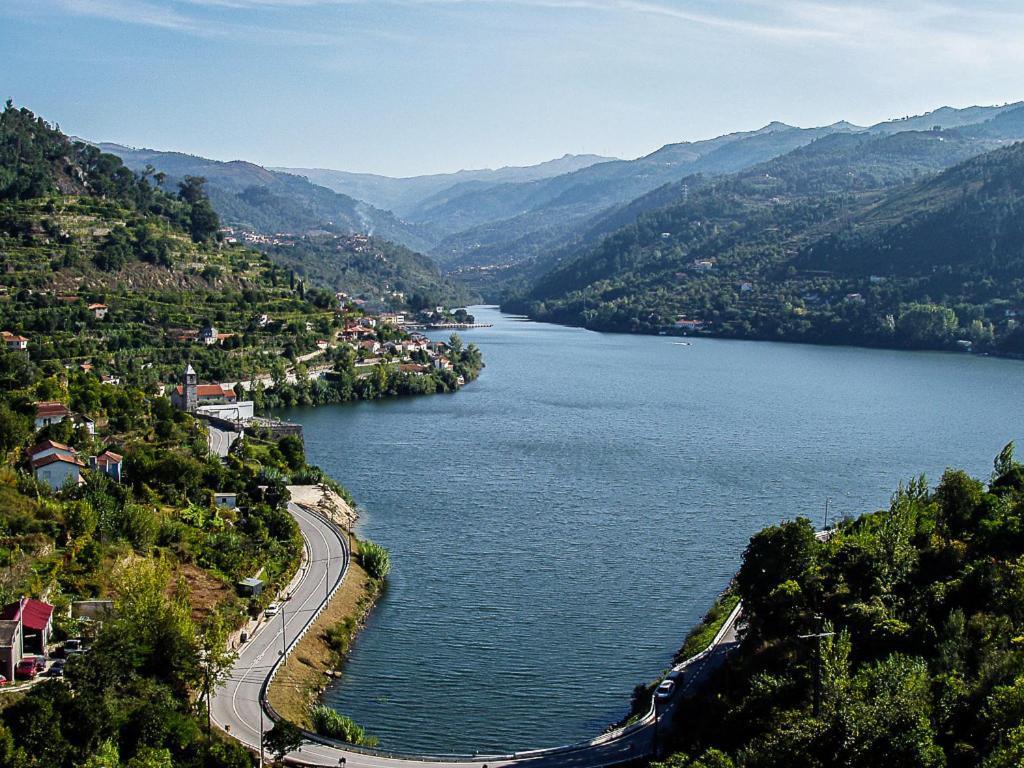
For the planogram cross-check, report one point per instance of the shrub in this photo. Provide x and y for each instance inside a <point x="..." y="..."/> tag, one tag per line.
<point x="375" y="559"/>
<point x="335" y="725"/>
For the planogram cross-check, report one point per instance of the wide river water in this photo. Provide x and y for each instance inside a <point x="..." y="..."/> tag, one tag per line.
<point x="559" y="525"/>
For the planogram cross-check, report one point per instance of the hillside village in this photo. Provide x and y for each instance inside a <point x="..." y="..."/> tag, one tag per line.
<point x="144" y="483"/>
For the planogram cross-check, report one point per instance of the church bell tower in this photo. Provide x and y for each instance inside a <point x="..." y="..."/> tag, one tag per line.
<point x="190" y="389"/>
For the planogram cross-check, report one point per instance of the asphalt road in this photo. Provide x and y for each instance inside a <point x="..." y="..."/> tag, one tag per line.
<point x="236" y="705"/>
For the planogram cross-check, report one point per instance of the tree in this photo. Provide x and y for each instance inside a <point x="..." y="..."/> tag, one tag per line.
<point x="775" y="556"/>
<point x="215" y="658"/>
<point x="15" y="428"/>
<point x="282" y="739"/>
<point x="959" y="496"/>
<point x="926" y="325"/>
<point x="107" y="756"/>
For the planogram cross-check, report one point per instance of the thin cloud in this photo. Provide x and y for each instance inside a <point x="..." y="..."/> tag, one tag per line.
<point x="979" y="35"/>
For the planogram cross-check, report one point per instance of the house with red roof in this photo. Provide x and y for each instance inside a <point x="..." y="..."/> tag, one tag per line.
<point x="50" y="412"/>
<point x="49" y="448"/>
<point x="36" y="620"/>
<point x="13" y="341"/>
<point x="99" y="311"/>
<point x="58" y="469"/>
<point x="206" y="394"/>
<point x="109" y="463"/>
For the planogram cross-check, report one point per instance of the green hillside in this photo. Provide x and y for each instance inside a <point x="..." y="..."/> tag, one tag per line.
<point x="806" y="247"/>
<point x="921" y="662"/>
<point x="317" y="224"/>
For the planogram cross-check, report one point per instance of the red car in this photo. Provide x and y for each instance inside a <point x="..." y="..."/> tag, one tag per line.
<point x="26" y="669"/>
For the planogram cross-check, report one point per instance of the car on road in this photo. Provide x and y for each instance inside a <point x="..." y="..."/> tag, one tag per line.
<point x="25" y="670"/>
<point x="666" y="689"/>
<point x="57" y="668"/>
<point x="272" y="610"/>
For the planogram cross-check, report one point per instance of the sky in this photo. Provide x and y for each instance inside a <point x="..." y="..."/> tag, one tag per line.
<point x="407" y="87"/>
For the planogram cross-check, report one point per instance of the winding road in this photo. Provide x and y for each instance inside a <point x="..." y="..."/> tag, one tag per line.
<point x="237" y="704"/>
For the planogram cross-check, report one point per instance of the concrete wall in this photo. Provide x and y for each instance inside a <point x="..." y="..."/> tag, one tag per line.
<point x="239" y="411"/>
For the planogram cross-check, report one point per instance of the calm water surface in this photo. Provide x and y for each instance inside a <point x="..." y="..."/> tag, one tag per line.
<point x="559" y="525"/>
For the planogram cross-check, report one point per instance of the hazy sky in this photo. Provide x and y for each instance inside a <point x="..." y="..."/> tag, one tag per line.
<point x="414" y="86"/>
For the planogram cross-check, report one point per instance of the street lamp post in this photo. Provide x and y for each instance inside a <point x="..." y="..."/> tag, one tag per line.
<point x="284" y="633"/>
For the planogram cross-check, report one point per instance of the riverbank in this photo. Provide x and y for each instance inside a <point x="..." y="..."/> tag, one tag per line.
<point x="321" y="652"/>
<point x="704" y="331"/>
<point x="323" y="499"/>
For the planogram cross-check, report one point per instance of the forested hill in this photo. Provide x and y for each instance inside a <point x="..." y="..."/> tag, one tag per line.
<point x="968" y="221"/>
<point x="78" y="231"/>
<point x="308" y="228"/>
<point x="270" y="202"/>
<point x="907" y="622"/>
<point x="803" y="248"/>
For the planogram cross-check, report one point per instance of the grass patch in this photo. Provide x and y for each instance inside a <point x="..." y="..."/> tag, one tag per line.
<point x="700" y="636"/>
<point x="303" y="678"/>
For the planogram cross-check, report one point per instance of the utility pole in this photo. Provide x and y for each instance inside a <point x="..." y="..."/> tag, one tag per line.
<point x="821" y="633"/>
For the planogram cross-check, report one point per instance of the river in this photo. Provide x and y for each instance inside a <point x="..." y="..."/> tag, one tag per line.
<point x="558" y="525"/>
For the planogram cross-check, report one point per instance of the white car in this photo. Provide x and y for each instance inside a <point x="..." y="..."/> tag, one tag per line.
<point x="272" y="610"/>
<point x="666" y="689"/>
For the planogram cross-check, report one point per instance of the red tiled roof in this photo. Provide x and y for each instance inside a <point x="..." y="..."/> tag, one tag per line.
<point x="51" y="408"/>
<point x="34" y="614"/>
<point x="53" y="459"/>
<point x="209" y="390"/>
<point x="47" y="445"/>
<point x="97" y="306"/>
<point x="8" y="336"/>
<point x="109" y="457"/>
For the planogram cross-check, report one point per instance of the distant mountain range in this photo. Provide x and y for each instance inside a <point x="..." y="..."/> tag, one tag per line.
<point x="405" y="195"/>
<point x="520" y="229"/>
<point x="879" y="236"/>
<point x="251" y="196"/>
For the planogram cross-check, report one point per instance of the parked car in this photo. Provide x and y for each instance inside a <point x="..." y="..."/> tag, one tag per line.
<point x="3" y="681"/>
<point x="272" y="610"/>
<point x="666" y="689"/>
<point x="57" y="668"/>
<point x="73" y="646"/>
<point x="26" y="670"/>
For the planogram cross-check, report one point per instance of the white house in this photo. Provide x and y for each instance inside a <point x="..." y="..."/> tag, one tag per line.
<point x="58" y="469"/>
<point x="49" y="448"/>
<point x="228" y="499"/>
<point x="209" y="336"/>
<point x="50" y="412"/>
<point x="14" y="342"/>
<point x="99" y="311"/>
